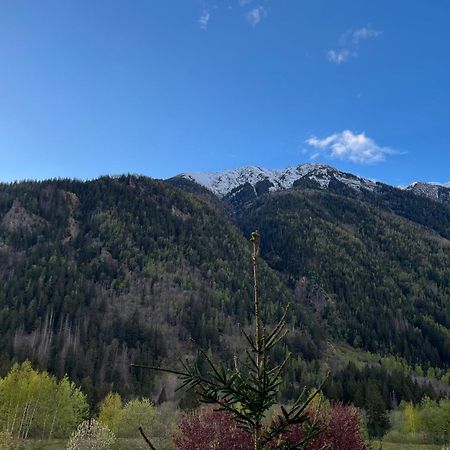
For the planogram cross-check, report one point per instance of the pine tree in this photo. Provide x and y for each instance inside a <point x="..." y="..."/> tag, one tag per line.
<point x="250" y="388"/>
<point x="162" y="396"/>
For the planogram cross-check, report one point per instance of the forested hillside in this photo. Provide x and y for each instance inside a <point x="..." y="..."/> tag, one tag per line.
<point x="98" y="275"/>
<point x="388" y="278"/>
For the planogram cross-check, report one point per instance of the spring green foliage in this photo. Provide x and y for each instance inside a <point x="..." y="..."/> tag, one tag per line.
<point x="111" y="412"/>
<point x="427" y="421"/>
<point x="35" y="404"/>
<point x="434" y="419"/>
<point x="411" y="418"/>
<point x="6" y="440"/>
<point x="135" y="413"/>
<point x="158" y="422"/>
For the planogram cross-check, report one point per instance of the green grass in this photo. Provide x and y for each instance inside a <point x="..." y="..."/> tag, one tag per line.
<point x="54" y="444"/>
<point x="138" y="444"/>
<point x="58" y="444"/>
<point x="397" y="446"/>
<point x="130" y="444"/>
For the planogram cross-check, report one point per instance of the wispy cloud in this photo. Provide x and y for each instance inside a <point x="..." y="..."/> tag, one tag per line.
<point x="349" y="44"/>
<point x="349" y="146"/>
<point x="340" y="56"/>
<point x="365" y="33"/>
<point x="254" y="11"/>
<point x="255" y="15"/>
<point x="203" y="20"/>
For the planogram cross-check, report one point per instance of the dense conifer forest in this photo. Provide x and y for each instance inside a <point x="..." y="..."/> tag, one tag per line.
<point x="97" y="275"/>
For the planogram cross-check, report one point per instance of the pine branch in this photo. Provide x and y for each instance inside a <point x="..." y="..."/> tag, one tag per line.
<point x="146" y="439"/>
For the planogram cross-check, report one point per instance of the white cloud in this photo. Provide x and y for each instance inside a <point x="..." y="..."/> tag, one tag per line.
<point x="365" y="33"/>
<point x="346" y="145"/>
<point x="340" y="56"/>
<point x="255" y="15"/>
<point x="204" y="19"/>
<point x="349" y="43"/>
<point x="243" y="3"/>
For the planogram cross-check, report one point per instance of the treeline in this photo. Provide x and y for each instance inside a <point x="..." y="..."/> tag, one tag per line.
<point x="36" y="405"/>
<point x="377" y="391"/>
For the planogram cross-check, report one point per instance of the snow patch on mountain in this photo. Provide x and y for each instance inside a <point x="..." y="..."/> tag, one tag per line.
<point x="222" y="183"/>
<point x="432" y="190"/>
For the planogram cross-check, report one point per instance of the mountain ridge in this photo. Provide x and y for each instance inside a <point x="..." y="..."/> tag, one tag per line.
<point x="439" y="192"/>
<point x="251" y="181"/>
<point x="222" y="183"/>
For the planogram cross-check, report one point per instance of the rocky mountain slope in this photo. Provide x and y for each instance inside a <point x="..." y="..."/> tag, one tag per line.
<point x="433" y="191"/>
<point x="250" y="182"/>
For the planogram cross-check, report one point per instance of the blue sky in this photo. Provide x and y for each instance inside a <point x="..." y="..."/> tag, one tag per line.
<point x="159" y="87"/>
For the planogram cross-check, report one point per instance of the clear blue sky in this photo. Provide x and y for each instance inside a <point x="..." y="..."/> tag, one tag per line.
<point x="157" y="87"/>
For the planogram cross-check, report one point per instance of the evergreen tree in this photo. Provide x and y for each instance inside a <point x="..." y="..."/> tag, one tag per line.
<point x="249" y="389"/>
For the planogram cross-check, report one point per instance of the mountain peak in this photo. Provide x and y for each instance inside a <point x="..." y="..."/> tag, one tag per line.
<point x="225" y="182"/>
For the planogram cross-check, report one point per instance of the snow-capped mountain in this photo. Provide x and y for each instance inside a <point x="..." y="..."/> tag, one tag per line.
<point x="434" y="191"/>
<point x="228" y="182"/>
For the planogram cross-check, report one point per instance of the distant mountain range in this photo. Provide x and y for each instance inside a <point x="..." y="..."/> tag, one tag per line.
<point x="95" y="275"/>
<point x="265" y="180"/>
<point x="229" y="183"/>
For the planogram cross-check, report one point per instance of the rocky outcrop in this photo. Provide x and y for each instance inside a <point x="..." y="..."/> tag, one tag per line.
<point x="18" y="218"/>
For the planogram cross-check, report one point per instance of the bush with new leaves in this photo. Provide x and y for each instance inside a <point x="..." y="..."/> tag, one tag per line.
<point x="207" y="429"/>
<point x="136" y="413"/>
<point x="91" y="435"/>
<point x="124" y="420"/>
<point x="6" y="440"/>
<point x="427" y="422"/>
<point x="342" y="428"/>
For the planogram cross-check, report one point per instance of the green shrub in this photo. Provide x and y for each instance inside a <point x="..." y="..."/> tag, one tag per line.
<point x="136" y="413"/>
<point x="6" y="440"/>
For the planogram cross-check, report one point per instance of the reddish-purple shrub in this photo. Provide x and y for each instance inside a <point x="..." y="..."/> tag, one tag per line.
<point x="208" y="429"/>
<point x="341" y="429"/>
